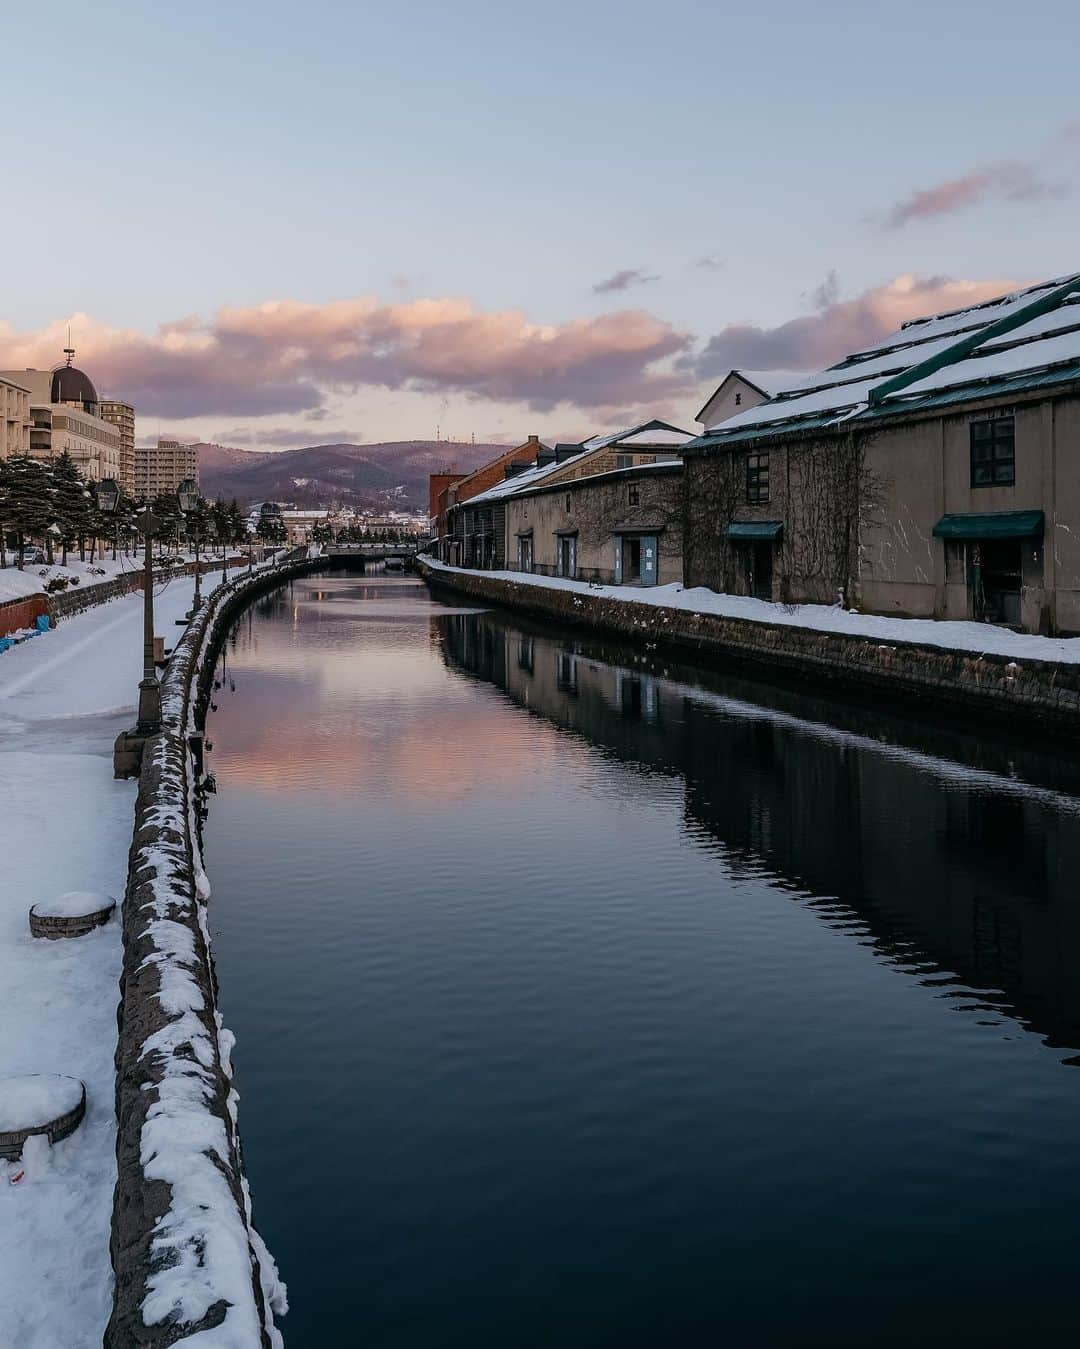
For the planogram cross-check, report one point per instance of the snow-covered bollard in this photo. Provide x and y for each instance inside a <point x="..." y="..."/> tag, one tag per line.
<point x="73" y="914"/>
<point x="39" y="1103"/>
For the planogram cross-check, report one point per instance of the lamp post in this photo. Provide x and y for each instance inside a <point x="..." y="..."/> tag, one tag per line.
<point x="128" y="752"/>
<point x="107" y="494"/>
<point x="187" y="494"/>
<point x="211" y="535"/>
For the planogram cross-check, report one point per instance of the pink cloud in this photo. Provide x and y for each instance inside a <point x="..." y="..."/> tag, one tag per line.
<point x="1011" y="181"/>
<point x="838" y="327"/>
<point x="285" y="356"/>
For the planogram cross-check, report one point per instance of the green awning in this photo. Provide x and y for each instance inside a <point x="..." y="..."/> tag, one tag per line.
<point x="755" y="529"/>
<point x="999" y="525"/>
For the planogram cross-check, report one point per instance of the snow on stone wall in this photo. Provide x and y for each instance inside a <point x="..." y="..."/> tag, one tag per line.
<point x="189" y="1264"/>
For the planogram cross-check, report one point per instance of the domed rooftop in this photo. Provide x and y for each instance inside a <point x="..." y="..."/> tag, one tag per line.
<point x="71" y="385"/>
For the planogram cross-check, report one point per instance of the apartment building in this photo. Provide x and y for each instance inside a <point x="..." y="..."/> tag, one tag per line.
<point x="14" y="419"/>
<point x="122" y="415"/>
<point x="162" y="468"/>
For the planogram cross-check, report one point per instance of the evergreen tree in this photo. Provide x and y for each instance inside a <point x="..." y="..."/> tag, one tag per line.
<point x="29" y="503"/>
<point x="237" y="523"/>
<point x="71" y="503"/>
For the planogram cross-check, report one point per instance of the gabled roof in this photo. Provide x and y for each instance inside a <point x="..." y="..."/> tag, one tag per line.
<point x="1028" y="333"/>
<point x="645" y="433"/>
<point x="768" y="383"/>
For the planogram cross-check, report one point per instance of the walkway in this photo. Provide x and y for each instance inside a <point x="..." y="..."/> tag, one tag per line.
<point x="66" y="826"/>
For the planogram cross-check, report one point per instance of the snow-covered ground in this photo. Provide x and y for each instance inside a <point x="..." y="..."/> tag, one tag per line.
<point x="67" y="826"/>
<point x="15" y="584"/>
<point x="978" y="638"/>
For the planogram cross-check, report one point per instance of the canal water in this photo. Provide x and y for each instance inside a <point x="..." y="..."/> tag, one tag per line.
<point x="585" y="998"/>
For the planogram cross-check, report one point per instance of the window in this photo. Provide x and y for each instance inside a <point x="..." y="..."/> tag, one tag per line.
<point x="993" y="453"/>
<point x="757" y="479"/>
<point x="738" y="400"/>
<point x="568" y="503"/>
<point x="633" y="494"/>
<point x="624" y="461"/>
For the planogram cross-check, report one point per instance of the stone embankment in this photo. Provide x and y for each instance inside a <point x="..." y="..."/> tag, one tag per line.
<point x="1012" y="692"/>
<point x="186" y="1256"/>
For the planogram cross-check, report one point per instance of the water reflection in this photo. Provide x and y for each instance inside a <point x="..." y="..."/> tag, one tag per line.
<point x="588" y="999"/>
<point x="928" y="846"/>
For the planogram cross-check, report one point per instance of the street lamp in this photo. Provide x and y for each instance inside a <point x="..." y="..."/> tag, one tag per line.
<point x="187" y="494"/>
<point x="107" y="493"/>
<point x="128" y="752"/>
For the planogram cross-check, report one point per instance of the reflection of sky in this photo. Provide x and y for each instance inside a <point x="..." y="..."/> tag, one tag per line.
<point x="375" y="702"/>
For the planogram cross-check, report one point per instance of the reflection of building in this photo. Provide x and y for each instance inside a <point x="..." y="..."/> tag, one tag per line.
<point x="162" y="468"/>
<point x="14" y="418"/>
<point x="65" y="416"/>
<point x="950" y="863"/>
<point x="122" y="415"/>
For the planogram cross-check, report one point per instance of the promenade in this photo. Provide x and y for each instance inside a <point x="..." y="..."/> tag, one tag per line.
<point x="67" y="826"/>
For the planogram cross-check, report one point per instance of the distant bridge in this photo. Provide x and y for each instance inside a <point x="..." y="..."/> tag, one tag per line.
<point x="371" y="552"/>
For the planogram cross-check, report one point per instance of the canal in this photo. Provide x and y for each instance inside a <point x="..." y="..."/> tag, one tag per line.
<point x="585" y="998"/>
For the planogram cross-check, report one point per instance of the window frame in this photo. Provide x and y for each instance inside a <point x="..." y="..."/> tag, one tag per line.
<point x="993" y="434"/>
<point x="633" y="494"/>
<point x="757" y="485"/>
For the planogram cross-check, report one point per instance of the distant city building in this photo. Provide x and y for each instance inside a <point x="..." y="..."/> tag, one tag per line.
<point x="65" y="415"/>
<point x="122" y="415"/>
<point x="14" y="418"/>
<point x="162" y="468"/>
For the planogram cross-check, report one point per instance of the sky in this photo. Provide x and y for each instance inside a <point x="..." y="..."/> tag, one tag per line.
<point x="274" y="225"/>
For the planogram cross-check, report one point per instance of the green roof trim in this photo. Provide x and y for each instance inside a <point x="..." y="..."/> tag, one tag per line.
<point x="755" y="529"/>
<point x="1000" y="525"/>
<point x="966" y="345"/>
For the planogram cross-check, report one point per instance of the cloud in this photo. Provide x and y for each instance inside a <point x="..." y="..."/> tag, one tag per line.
<point x="838" y="327"/>
<point x="709" y="263"/>
<point x="624" y="280"/>
<point x="286" y="357"/>
<point x="1008" y="181"/>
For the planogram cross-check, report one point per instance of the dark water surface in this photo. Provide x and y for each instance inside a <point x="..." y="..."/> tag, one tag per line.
<point x="587" y="999"/>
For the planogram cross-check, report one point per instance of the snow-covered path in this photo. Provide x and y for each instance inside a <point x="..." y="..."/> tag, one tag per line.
<point x="66" y="826"/>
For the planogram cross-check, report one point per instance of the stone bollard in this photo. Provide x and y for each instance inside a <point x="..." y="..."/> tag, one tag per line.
<point x="39" y="1103"/>
<point x="73" y="914"/>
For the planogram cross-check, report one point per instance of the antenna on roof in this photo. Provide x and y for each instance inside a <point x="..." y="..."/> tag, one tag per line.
<point x="69" y="350"/>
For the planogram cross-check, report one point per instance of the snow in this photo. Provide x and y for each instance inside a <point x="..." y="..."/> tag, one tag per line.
<point x="206" y="1246"/>
<point x="16" y="584"/>
<point x="63" y="699"/>
<point x="657" y="432"/>
<point x="845" y="388"/>
<point x="73" y="904"/>
<point x="969" y="637"/>
<point x="36" y="1099"/>
<point x="774" y="382"/>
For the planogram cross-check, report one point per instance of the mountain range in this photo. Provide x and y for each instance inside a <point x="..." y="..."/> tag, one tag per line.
<point x="386" y="475"/>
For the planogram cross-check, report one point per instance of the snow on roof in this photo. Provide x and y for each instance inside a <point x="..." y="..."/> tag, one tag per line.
<point x="659" y="433"/>
<point x="771" y="382"/>
<point x="515" y="482"/>
<point x="1047" y="339"/>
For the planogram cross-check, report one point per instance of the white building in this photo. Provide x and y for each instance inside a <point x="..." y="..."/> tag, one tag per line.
<point x="740" y="390"/>
<point x="64" y="415"/>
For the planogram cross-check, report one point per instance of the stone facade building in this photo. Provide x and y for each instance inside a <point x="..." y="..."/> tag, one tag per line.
<point x="932" y="475"/>
<point x="489" y="530"/>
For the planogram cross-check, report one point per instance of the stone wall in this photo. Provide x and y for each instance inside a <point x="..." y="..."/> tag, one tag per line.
<point x="186" y="1255"/>
<point x="1041" y="694"/>
<point x="18" y="614"/>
